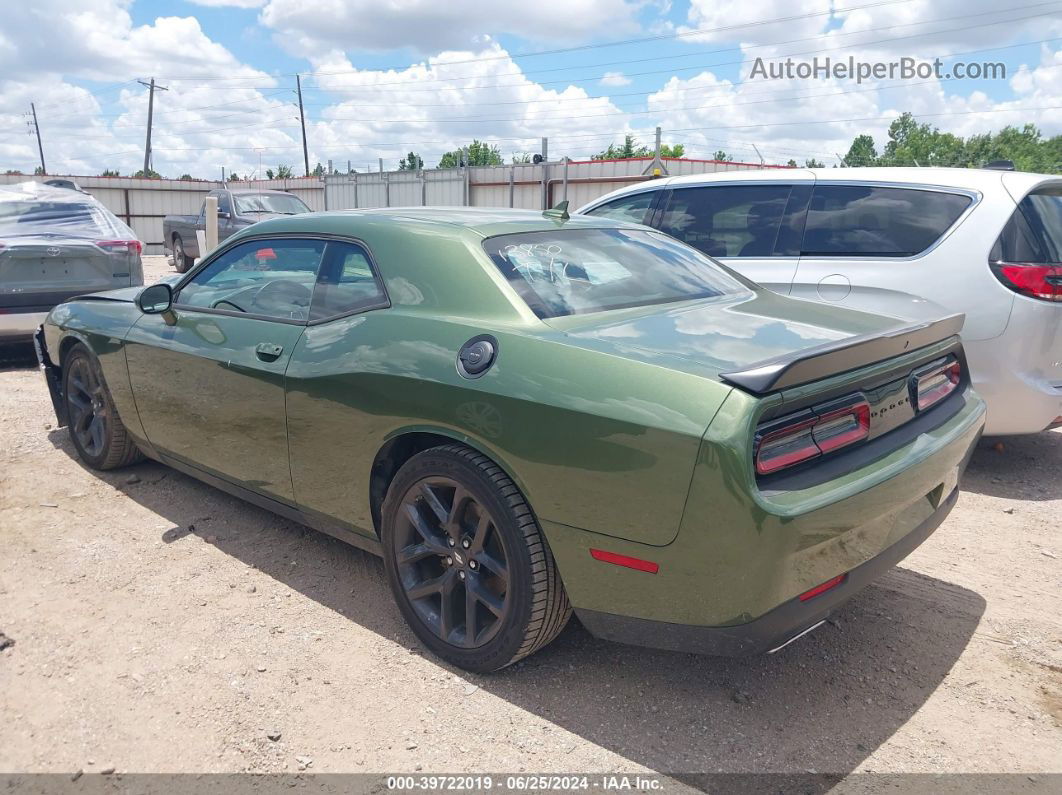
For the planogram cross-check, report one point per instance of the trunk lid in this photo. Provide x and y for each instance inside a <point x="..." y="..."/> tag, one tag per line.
<point x="724" y="335"/>
<point x="40" y="270"/>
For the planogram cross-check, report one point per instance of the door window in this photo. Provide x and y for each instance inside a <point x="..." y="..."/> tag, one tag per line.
<point x="866" y="221"/>
<point x="632" y="208"/>
<point x="346" y="283"/>
<point x="268" y="278"/>
<point x="225" y="203"/>
<point x="727" y="220"/>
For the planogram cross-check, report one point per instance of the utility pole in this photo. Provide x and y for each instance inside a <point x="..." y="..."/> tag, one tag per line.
<point x="302" y="121"/>
<point x="151" y="111"/>
<point x="37" y="129"/>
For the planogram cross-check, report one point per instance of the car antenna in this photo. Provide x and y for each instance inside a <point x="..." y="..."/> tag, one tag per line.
<point x="560" y="211"/>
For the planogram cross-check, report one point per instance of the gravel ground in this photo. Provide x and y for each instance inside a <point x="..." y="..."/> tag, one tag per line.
<point x="160" y="625"/>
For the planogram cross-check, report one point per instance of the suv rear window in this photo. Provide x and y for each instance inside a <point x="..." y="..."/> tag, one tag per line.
<point x="1034" y="232"/>
<point x="567" y="272"/>
<point x="867" y="221"/>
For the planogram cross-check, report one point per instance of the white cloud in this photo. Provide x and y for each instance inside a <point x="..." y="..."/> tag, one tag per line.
<point x="444" y="102"/>
<point x="615" y="79"/>
<point x="471" y="91"/>
<point x="308" y="27"/>
<point x="230" y="3"/>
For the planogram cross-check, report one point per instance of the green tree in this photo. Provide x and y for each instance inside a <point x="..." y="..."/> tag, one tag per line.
<point x="185" y="177"/>
<point x="233" y="176"/>
<point x="813" y="163"/>
<point x="632" y="148"/>
<point x="411" y="162"/>
<point x="722" y="156"/>
<point x="521" y="157"/>
<point x="480" y="153"/>
<point x="283" y="172"/>
<point x="914" y="144"/>
<point x="110" y="172"/>
<point x="911" y="143"/>
<point x="149" y="174"/>
<point x="270" y="173"/>
<point x="629" y="148"/>
<point x="862" y="152"/>
<point x="38" y="171"/>
<point x="791" y="163"/>
<point x="13" y="172"/>
<point x="318" y="170"/>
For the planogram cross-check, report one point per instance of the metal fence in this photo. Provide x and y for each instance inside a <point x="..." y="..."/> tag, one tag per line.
<point x="143" y="203"/>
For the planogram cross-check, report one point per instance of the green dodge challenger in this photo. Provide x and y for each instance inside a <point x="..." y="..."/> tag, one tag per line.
<point x="528" y="414"/>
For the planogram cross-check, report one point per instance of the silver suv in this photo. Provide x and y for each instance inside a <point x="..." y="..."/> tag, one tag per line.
<point x="56" y="243"/>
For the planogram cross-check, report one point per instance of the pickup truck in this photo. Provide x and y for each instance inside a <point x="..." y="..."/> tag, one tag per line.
<point x="237" y="209"/>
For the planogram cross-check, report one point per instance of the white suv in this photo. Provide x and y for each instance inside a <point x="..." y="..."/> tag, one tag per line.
<point x="915" y="243"/>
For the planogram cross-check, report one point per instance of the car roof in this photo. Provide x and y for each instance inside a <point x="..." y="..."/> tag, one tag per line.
<point x="974" y="179"/>
<point x="481" y="221"/>
<point x="256" y="191"/>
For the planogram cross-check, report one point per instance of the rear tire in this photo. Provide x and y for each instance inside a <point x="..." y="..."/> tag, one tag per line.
<point x="500" y="597"/>
<point x="96" y="430"/>
<point x="181" y="262"/>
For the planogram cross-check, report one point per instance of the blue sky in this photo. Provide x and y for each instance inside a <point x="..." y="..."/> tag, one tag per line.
<point x="380" y="81"/>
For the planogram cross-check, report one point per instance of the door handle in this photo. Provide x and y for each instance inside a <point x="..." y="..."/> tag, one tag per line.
<point x="268" y="351"/>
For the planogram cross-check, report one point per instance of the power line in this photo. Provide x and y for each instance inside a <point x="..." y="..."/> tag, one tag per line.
<point x="773" y="99"/>
<point x="642" y="40"/>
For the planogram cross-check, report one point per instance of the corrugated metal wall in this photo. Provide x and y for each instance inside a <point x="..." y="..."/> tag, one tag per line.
<point x="143" y="203"/>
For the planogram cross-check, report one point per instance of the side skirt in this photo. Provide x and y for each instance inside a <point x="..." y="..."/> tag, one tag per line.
<point x="276" y="506"/>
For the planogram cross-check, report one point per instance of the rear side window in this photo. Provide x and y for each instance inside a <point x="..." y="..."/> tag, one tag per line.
<point x="632" y="209"/>
<point x="866" y="221"/>
<point x="346" y="283"/>
<point x="727" y="220"/>
<point x="1034" y="232"/>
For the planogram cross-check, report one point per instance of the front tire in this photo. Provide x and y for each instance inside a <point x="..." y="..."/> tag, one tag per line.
<point x="181" y="262"/>
<point x="467" y="563"/>
<point x="96" y="430"/>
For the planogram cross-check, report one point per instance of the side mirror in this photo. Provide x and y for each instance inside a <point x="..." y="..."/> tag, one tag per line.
<point x="155" y="299"/>
<point x="223" y="214"/>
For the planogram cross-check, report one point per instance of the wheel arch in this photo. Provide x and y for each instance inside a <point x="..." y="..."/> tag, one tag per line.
<point x="403" y="444"/>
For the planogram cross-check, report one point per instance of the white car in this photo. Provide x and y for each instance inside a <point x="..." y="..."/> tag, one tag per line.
<point x="915" y="243"/>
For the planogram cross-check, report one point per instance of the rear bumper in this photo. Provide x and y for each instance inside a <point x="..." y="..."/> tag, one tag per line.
<point x="20" y="326"/>
<point x="775" y="628"/>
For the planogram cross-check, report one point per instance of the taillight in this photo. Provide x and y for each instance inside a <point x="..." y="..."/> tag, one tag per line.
<point x="933" y="383"/>
<point x="810" y="433"/>
<point x="120" y="246"/>
<point x="1036" y="281"/>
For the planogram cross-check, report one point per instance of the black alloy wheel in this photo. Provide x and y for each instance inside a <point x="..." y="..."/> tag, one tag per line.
<point x="452" y="562"/>
<point x="467" y="562"/>
<point x="96" y="430"/>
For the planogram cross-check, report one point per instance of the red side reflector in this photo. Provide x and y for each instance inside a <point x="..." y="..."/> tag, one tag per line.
<point x="818" y="589"/>
<point x="623" y="560"/>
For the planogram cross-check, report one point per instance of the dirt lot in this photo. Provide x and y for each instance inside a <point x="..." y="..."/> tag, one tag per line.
<point x="160" y="625"/>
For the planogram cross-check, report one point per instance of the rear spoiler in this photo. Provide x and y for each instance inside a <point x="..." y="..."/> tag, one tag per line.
<point x="833" y="358"/>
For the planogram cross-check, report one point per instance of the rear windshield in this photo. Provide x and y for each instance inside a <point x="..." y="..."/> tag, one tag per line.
<point x="1034" y="232"/>
<point x="568" y="272"/>
<point x="269" y="203"/>
<point x="21" y="218"/>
